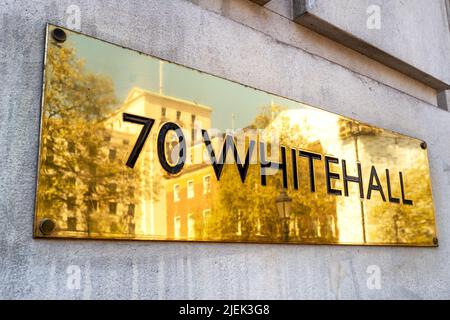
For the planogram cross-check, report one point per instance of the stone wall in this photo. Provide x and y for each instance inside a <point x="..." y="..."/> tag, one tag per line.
<point x="256" y="46"/>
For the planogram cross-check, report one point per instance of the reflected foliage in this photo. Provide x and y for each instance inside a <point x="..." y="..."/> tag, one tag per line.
<point x="249" y="212"/>
<point x="79" y="184"/>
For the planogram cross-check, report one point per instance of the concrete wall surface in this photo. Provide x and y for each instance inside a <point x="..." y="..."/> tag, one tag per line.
<point x="407" y="30"/>
<point x="203" y="36"/>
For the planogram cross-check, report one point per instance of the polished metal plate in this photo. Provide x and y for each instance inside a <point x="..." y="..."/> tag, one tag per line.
<point x="135" y="147"/>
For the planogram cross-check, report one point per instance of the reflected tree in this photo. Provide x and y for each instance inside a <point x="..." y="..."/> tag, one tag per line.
<point x="400" y="223"/>
<point x="247" y="211"/>
<point x="390" y="222"/>
<point x="84" y="185"/>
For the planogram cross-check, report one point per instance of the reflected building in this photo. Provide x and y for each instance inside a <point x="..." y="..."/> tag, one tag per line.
<point x="94" y="208"/>
<point x="189" y="202"/>
<point x="151" y="217"/>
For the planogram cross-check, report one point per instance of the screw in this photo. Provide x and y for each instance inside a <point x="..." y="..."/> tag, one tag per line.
<point x="46" y="226"/>
<point x="435" y="241"/>
<point x="59" y="35"/>
<point x="423" y="145"/>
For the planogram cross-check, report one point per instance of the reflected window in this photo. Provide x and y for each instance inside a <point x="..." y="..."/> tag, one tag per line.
<point x="72" y="224"/>
<point x="49" y="159"/>
<point x="190" y="189"/>
<point x="131" y="209"/>
<point x="131" y="191"/>
<point x="49" y="155"/>
<point x="206" y="217"/>
<point x="176" y="193"/>
<point x="112" y="154"/>
<point x="269" y="150"/>
<point x="91" y="187"/>
<point x="206" y="158"/>
<point x="71" y="182"/>
<point x="112" y="208"/>
<point x="333" y="226"/>
<point x="112" y="187"/>
<point x="71" y="147"/>
<point x="258" y="227"/>
<point x="191" y="226"/>
<point x="92" y="150"/>
<point x="71" y="203"/>
<point x="206" y="184"/>
<point x="177" y="227"/>
<point x="239" y="225"/>
<point x="193" y="127"/>
<point x="91" y="205"/>
<point x="191" y="157"/>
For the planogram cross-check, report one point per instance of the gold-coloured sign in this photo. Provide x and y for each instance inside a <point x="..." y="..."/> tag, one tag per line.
<point x="135" y="147"/>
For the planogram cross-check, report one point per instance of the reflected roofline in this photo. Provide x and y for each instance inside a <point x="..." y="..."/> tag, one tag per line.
<point x="143" y="92"/>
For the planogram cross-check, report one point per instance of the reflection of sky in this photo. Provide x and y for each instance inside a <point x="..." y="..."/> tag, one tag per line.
<point x="129" y="69"/>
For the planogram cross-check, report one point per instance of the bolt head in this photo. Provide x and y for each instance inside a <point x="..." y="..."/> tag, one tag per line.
<point x="59" y="35"/>
<point x="46" y="226"/>
<point x="423" y="145"/>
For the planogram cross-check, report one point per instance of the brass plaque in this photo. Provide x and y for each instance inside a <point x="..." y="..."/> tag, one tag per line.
<point x="135" y="147"/>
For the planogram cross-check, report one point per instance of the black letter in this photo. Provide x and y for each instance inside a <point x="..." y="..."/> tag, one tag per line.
<point x="388" y="180"/>
<point x="162" y="148"/>
<point x="273" y="165"/>
<point x="294" y="168"/>
<point x="378" y="187"/>
<point x="311" y="157"/>
<point x="147" y="123"/>
<point x="331" y="175"/>
<point x="228" y="143"/>
<point x="402" y="187"/>
<point x="348" y="179"/>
